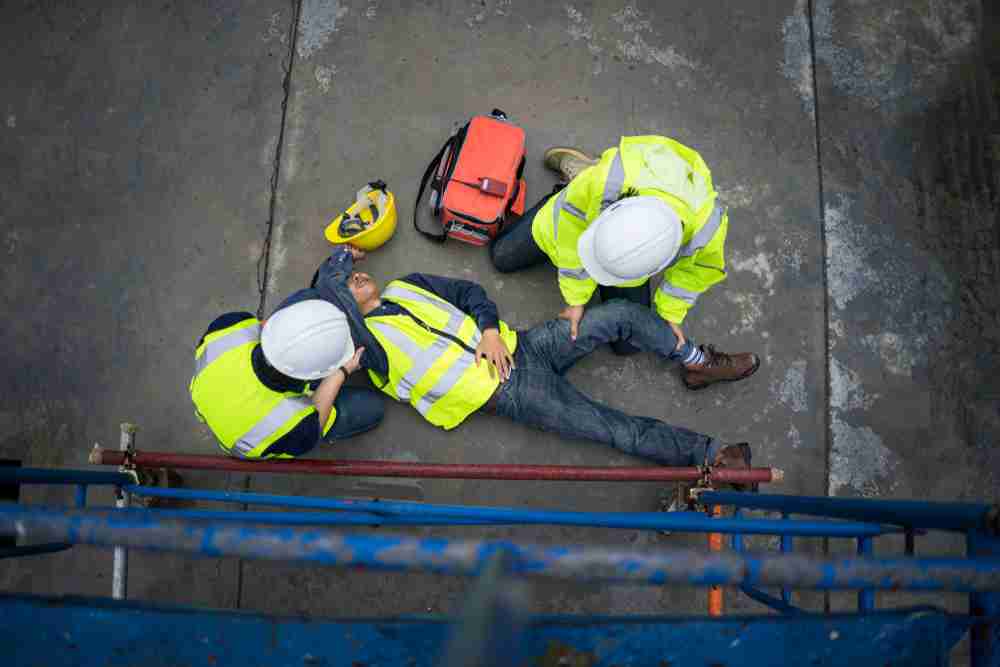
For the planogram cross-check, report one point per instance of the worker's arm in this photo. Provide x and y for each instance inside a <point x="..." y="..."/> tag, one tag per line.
<point x="467" y="296"/>
<point x="326" y="393"/>
<point x="329" y="283"/>
<point x="311" y="428"/>
<point x="337" y="268"/>
<point x="580" y="205"/>
<point x="690" y="277"/>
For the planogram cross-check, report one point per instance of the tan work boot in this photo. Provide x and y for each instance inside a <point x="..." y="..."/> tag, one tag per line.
<point x="720" y="367"/>
<point x="567" y="161"/>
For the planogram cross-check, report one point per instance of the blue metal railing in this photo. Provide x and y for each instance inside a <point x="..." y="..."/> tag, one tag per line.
<point x="301" y="531"/>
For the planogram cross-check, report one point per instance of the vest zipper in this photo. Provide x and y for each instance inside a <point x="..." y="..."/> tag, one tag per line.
<point x="452" y="338"/>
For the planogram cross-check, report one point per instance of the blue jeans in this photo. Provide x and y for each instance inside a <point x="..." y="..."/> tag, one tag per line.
<point x="359" y="409"/>
<point x="514" y="249"/>
<point x="537" y="393"/>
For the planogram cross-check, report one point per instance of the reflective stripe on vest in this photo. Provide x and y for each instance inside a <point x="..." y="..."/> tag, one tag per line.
<point x="563" y="205"/>
<point x="223" y="344"/>
<point x="560" y="200"/>
<point x="576" y="274"/>
<point x="445" y="383"/>
<point x="423" y="359"/>
<point x="687" y="296"/>
<point x="704" y="235"/>
<point x="270" y="423"/>
<point x="573" y="210"/>
<point x="455" y="318"/>
<point x="615" y="181"/>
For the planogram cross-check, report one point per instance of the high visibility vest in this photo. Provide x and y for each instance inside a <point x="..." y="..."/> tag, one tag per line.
<point x="434" y="372"/>
<point x="655" y="166"/>
<point x="245" y="416"/>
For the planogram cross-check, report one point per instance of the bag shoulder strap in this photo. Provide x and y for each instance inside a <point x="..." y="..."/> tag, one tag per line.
<point x="452" y="143"/>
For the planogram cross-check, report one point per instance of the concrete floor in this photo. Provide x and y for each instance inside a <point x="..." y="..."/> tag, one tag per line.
<point x="155" y="158"/>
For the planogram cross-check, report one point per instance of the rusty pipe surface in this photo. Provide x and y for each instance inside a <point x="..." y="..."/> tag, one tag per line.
<point x="437" y="470"/>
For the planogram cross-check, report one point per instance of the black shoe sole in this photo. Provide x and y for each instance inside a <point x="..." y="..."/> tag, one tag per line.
<point x="699" y="387"/>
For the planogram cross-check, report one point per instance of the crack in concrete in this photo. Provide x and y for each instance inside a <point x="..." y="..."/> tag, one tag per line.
<point x="821" y="196"/>
<point x="264" y="262"/>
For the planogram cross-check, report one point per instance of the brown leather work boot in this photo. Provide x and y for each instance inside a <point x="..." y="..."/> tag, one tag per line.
<point x="567" y="161"/>
<point x="720" y="367"/>
<point x="736" y="457"/>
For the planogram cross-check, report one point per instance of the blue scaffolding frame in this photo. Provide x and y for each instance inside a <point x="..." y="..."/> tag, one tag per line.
<point x="311" y="529"/>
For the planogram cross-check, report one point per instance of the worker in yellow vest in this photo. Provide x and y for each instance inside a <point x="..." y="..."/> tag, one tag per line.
<point x="645" y="206"/>
<point x="274" y="390"/>
<point x="449" y="355"/>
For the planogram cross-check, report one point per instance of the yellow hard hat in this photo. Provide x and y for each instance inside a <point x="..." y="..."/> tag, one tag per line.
<point x="369" y="222"/>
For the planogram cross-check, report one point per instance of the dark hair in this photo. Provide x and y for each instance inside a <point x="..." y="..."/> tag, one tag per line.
<point x="271" y="377"/>
<point x="629" y="192"/>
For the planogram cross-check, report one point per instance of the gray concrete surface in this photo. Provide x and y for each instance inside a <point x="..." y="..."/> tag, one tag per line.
<point x="584" y="76"/>
<point x="137" y="150"/>
<point x="855" y="144"/>
<point x="908" y="138"/>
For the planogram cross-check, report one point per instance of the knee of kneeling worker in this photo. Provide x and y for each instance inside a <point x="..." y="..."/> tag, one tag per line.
<point x="501" y="262"/>
<point x="364" y="406"/>
<point x="618" y="310"/>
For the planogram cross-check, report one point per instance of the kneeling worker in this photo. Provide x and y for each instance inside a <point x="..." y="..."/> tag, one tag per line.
<point x="646" y="206"/>
<point x="445" y="351"/>
<point x="275" y="390"/>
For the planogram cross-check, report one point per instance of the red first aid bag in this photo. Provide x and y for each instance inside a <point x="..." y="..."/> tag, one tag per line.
<point x="475" y="180"/>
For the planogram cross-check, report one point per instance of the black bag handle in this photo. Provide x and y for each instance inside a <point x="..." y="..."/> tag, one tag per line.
<point x="431" y="168"/>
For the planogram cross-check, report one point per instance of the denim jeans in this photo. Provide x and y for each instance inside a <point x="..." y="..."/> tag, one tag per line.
<point x="515" y="249"/>
<point x="359" y="409"/>
<point x="537" y="393"/>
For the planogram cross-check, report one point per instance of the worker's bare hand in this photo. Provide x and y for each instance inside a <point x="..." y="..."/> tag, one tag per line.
<point x="354" y="363"/>
<point x="357" y="253"/>
<point x="574" y="314"/>
<point x="492" y="348"/>
<point x="680" y="335"/>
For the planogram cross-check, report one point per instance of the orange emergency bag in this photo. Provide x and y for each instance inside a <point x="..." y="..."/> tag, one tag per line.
<point x="475" y="180"/>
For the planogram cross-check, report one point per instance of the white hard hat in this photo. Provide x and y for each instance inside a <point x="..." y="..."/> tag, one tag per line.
<point x="633" y="238"/>
<point x="307" y="340"/>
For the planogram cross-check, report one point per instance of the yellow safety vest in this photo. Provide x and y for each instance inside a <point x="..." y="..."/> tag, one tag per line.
<point x="655" y="166"/>
<point x="436" y="374"/>
<point x="242" y="412"/>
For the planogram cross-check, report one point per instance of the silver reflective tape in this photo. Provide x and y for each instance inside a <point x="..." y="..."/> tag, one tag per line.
<point x="577" y="274"/>
<point x="684" y="295"/>
<point x="616" y="179"/>
<point x="704" y="235"/>
<point x="573" y="210"/>
<point x="455" y="316"/>
<point x="421" y="359"/>
<point x="220" y="346"/>
<point x="401" y="292"/>
<point x="200" y="363"/>
<point x="271" y="422"/>
<point x="560" y="200"/>
<point x="241" y="449"/>
<point x="398" y="338"/>
<point x="421" y="364"/>
<point x="446" y="383"/>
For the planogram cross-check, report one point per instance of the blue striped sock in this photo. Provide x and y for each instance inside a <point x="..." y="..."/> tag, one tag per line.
<point x="691" y="354"/>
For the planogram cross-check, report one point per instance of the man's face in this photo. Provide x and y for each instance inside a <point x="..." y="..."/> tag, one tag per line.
<point x="362" y="287"/>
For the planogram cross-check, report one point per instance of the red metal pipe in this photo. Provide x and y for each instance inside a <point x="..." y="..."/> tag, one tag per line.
<point x="428" y="470"/>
